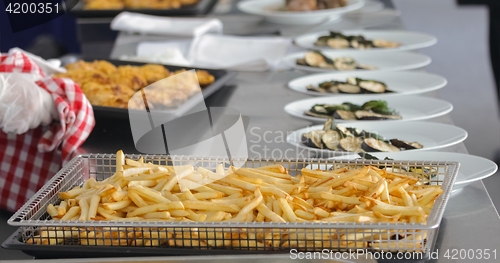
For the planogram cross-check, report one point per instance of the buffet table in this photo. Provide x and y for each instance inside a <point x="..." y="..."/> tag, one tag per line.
<point x="470" y="221"/>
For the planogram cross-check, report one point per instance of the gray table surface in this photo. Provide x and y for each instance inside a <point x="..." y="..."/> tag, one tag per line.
<point x="470" y="220"/>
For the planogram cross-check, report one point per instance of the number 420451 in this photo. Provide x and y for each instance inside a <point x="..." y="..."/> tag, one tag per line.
<point x="32" y="8"/>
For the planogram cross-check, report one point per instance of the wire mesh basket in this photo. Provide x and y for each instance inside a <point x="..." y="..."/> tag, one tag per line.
<point x="224" y="236"/>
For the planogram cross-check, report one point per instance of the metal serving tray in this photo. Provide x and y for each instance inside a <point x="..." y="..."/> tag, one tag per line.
<point x="203" y="7"/>
<point x="185" y="238"/>
<point x="221" y="77"/>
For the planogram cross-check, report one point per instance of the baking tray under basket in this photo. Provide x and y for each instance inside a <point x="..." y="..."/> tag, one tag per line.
<point x="188" y="238"/>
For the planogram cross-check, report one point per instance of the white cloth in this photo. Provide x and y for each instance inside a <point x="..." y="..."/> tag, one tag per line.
<point x="148" y="24"/>
<point x="218" y="52"/>
<point x="239" y="53"/>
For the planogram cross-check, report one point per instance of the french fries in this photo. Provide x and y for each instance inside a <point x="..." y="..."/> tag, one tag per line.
<point x="140" y="191"/>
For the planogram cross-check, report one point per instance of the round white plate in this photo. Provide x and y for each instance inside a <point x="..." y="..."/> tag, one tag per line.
<point x="270" y="10"/>
<point x="409" y="40"/>
<point x="472" y="168"/>
<point x="401" y="82"/>
<point x="431" y="135"/>
<point x="411" y="108"/>
<point x="384" y="62"/>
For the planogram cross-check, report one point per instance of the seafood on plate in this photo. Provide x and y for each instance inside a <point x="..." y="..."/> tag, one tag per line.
<point x="319" y="60"/>
<point x="337" y="40"/>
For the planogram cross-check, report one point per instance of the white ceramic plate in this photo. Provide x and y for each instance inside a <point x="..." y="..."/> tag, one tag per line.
<point x="271" y="11"/>
<point x="384" y="62"/>
<point x="409" y="40"/>
<point x="472" y="168"/>
<point x="431" y="135"/>
<point x="411" y="108"/>
<point x="401" y="82"/>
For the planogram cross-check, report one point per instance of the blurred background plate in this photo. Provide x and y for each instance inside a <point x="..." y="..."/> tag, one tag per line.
<point x="271" y="11"/>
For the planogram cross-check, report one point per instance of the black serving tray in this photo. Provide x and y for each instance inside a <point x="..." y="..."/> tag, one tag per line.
<point x="78" y="251"/>
<point x="203" y="7"/>
<point x="221" y="77"/>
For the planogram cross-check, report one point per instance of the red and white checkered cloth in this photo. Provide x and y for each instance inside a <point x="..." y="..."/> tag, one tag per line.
<point x="29" y="160"/>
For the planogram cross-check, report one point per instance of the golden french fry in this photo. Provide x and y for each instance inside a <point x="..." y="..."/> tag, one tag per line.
<point x="340" y="198"/>
<point x="52" y="211"/>
<point x="136" y="199"/>
<point x="157" y="215"/>
<point x="149" y="194"/>
<point x="84" y="212"/>
<point x="155" y="208"/>
<point x="287" y="210"/>
<point x="72" y="212"/>
<point x="94" y="204"/>
<point x="117" y="205"/>
<point x="209" y="206"/>
<point x="140" y="191"/>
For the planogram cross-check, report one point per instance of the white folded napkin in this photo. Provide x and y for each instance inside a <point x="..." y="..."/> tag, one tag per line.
<point x="148" y="24"/>
<point x="239" y="53"/>
<point x="217" y="52"/>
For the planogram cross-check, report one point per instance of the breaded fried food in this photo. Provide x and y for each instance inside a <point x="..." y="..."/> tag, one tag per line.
<point x="137" y="4"/>
<point x="107" y="85"/>
<point x="82" y="72"/>
<point x="152" y="73"/>
<point x="104" y="4"/>
<point x="113" y="95"/>
<point x="129" y="76"/>
<point x="81" y="76"/>
<point x="204" y="77"/>
<point x="104" y="66"/>
<point x="188" y="2"/>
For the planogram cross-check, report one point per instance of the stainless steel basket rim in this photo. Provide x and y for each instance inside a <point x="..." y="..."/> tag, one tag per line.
<point x="18" y="218"/>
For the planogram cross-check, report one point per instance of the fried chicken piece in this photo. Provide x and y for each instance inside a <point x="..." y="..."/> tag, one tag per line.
<point x="103" y="66"/>
<point x="106" y="85"/>
<point x="188" y="2"/>
<point x="152" y="73"/>
<point x="129" y="76"/>
<point x="104" y="4"/>
<point x="82" y="72"/>
<point x="204" y="77"/>
<point x="84" y="75"/>
<point x="107" y="95"/>
<point x="144" y="4"/>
